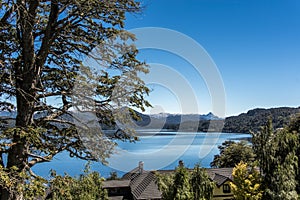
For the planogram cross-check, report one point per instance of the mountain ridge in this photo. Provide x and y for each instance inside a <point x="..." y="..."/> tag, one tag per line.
<point x="252" y="120"/>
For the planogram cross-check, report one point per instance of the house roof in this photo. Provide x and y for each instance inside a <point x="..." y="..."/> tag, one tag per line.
<point x="116" y="198"/>
<point x="220" y="179"/>
<point x="143" y="185"/>
<point x="227" y="172"/>
<point x="116" y="183"/>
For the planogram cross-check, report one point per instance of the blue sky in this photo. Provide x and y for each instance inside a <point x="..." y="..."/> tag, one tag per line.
<point x="255" y="45"/>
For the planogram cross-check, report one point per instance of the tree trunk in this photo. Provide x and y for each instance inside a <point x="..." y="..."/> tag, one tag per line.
<point x="17" y="155"/>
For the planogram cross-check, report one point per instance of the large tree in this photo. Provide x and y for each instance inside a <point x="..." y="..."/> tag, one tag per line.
<point x="201" y="185"/>
<point x="232" y="153"/>
<point x="294" y="127"/>
<point x="278" y="161"/>
<point x="46" y="87"/>
<point x="181" y="185"/>
<point x="176" y="186"/>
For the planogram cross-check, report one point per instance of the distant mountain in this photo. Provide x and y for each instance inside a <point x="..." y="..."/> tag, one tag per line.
<point x="173" y="121"/>
<point x="253" y="120"/>
<point x="178" y="118"/>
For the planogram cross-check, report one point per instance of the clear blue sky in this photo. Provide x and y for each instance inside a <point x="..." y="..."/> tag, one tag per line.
<point x="254" y="43"/>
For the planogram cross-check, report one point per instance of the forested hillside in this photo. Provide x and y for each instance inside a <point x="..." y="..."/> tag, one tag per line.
<point x="254" y="119"/>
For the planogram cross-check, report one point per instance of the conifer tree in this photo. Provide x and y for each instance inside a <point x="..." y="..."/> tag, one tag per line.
<point x="278" y="161"/>
<point x="185" y="185"/>
<point x="43" y="81"/>
<point x="202" y="187"/>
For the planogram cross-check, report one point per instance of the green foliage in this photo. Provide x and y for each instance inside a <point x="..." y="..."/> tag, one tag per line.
<point x="278" y="161"/>
<point x="87" y="186"/>
<point x="32" y="187"/>
<point x="44" y="79"/>
<point x="232" y="153"/>
<point x="176" y="186"/>
<point x="294" y="127"/>
<point x="183" y="185"/>
<point x="201" y="186"/>
<point x="246" y="183"/>
<point x="165" y="183"/>
<point x="60" y="187"/>
<point x="113" y="176"/>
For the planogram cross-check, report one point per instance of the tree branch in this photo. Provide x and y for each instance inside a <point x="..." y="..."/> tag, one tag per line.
<point x="38" y="159"/>
<point x="49" y="32"/>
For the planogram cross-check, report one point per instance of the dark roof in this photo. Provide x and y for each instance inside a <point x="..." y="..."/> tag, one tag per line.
<point x="131" y="174"/>
<point x="227" y="172"/>
<point x="219" y="179"/>
<point x="116" y="183"/>
<point x="218" y="175"/>
<point x="144" y="186"/>
<point x="116" y="198"/>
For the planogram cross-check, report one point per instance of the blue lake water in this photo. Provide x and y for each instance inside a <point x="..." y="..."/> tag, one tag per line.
<point x="161" y="151"/>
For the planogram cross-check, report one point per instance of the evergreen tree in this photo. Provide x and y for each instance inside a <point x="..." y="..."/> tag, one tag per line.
<point x="185" y="185"/>
<point x="294" y="127"/>
<point x="181" y="189"/>
<point x="43" y="79"/>
<point x="201" y="186"/>
<point x="278" y="161"/>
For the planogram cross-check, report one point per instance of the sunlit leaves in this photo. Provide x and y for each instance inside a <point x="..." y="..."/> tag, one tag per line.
<point x="246" y="183"/>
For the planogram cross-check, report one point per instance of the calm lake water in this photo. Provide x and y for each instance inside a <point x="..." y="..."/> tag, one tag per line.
<point x="157" y="151"/>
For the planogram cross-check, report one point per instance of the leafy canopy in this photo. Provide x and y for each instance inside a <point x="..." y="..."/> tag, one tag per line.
<point x="232" y="153"/>
<point x="246" y="183"/>
<point x="278" y="161"/>
<point x="87" y="186"/>
<point x="55" y="101"/>
<point x="184" y="184"/>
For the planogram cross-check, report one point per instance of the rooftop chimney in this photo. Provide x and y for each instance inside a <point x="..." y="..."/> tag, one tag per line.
<point x="141" y="167"/>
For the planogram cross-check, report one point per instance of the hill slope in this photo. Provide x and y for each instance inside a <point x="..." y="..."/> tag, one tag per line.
<point x="254" y="119"/>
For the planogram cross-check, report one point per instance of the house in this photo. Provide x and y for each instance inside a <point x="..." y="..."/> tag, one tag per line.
<point x="139" y="184"/>
<point x="222" y="177"/>
<point x="118" y="189"/>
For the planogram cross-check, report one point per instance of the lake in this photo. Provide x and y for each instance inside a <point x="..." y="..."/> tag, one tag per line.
<point x="157" y="151"/>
